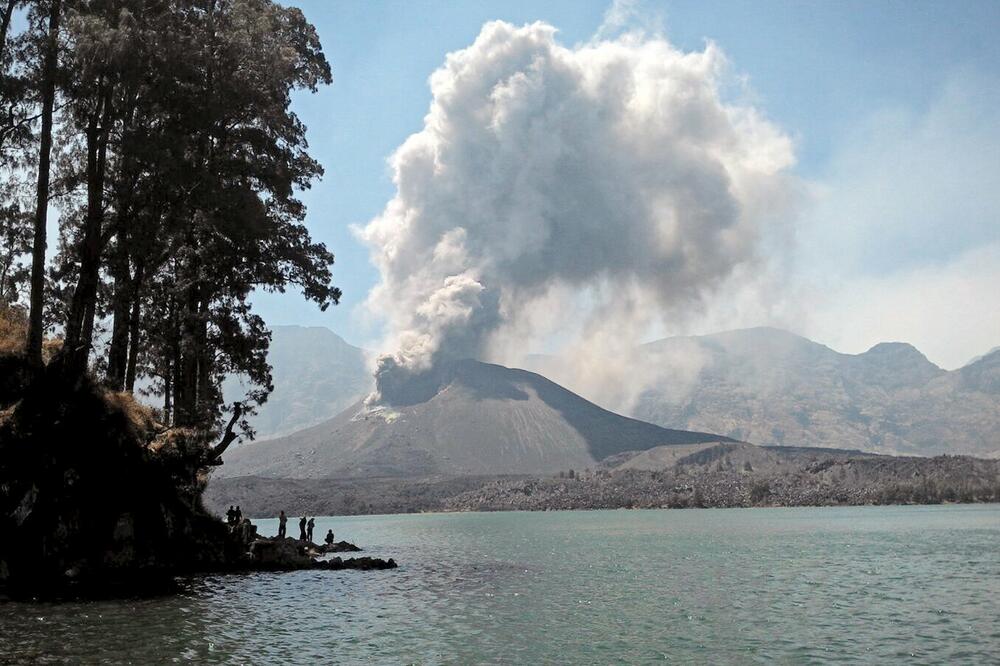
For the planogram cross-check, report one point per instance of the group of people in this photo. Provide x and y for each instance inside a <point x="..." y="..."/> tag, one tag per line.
<point x="305" y="529"/>
<point x="240" y="525"/>
<point x="234" y="516"/>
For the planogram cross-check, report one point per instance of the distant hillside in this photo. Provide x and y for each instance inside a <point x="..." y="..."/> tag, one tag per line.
<point x="743" y="475"/>
<point x="728" y="474"/>
<point x="483" y="420"/>
<point x="768" y="386"/>
<point x="316" y="375"/>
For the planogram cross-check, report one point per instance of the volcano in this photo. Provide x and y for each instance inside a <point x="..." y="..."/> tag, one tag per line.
<point x="469" y="418"/>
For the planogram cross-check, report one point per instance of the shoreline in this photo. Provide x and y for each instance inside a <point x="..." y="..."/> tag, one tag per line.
<point x="650" y="508"/>
<point x="802" y="479"/>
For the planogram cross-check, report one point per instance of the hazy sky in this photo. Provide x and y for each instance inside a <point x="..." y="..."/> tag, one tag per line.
<point x="892" y="109"/>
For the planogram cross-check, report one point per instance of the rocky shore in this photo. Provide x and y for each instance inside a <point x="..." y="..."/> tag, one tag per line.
<point x="97" y="499"/>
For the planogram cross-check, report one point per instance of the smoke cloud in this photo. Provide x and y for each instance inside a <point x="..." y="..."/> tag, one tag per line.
<point x="567" y="193"/>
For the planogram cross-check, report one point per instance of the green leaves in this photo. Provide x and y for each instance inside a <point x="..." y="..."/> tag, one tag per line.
<point x="177" y="163"/>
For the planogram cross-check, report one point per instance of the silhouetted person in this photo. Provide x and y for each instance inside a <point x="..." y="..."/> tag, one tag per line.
<point x="309" y="528"/>
<point x="238" y="516"/>
<point x="329" y="538"/>
<point x="302" y="529"/>
<point x="231" y="516"/>
<point x="282" y="519"/>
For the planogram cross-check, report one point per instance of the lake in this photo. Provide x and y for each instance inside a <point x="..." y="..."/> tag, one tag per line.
<point x="866" y="585"/>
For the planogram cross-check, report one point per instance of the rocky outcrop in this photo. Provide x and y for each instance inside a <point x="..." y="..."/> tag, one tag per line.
<point x="91" y="495"/>
<point x="96" y="499"/>
<point x="339" y="547"/>
<point x="288" y="554"/>
<point x="362" y="563"/>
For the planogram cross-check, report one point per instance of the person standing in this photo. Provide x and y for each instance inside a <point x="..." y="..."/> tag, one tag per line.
<point x="309" y="529"/>
<point x="282" y="519"/>
<point x="302" y="529"/>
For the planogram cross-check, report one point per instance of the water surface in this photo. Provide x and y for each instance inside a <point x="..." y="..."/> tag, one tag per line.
<point x="871" y="585"/>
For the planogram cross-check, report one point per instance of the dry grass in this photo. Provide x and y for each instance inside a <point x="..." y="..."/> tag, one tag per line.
<point x="13" y="330"/>
<point x="142" y="417"/>
<point x="50" y="347"/>
<point x="14" y="334"/>
<point x="179" y="439"/>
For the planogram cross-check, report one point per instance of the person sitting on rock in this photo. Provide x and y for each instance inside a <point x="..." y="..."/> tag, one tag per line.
<point x="329" y="538"/>
<point x="302" y="529"/>
<point x="309" y="528"/>
<point x="282" y="519"/>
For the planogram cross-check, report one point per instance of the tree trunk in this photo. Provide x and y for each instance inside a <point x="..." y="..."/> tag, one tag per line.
<point x="167" y="393"/>
<point x="175" y="359"/>
<point x="35" y="322"/>
<point x="80" y="325"/>
<point x="186" y="404"/>
<point x="133" y="330"/>
<point x="8" y="13"/>
<point x="122" y="300"/>
<point x="204" y="362"/>
<point x="118" y="349"/>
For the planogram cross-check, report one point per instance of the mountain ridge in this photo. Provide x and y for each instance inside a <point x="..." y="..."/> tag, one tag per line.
<point x="764" y="385"/>
<point x="768" y="386"/>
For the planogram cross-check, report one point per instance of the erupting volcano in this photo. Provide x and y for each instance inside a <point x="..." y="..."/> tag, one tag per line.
<point x="462" y="418"/>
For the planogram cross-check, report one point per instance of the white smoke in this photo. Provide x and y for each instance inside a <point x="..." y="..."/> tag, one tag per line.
<point x="607" y="184"/>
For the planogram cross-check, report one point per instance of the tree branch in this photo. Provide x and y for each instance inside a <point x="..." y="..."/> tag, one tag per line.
<point x="228" y="438"/>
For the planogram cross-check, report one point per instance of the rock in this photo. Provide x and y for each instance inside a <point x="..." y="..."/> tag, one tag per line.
<point x="362" y="563"/>
<point x="291" y="554"/>
<point x="339" y="547"/>
<point x="280" y="554"/>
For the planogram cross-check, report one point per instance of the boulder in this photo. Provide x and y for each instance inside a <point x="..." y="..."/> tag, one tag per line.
<point x="339" y="547"/>
<point x="362" y="563"/>
<point x="280" y="554"/>
<point x="291" y="554"/>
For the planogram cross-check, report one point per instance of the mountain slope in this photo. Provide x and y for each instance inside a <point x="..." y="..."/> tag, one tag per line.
<point x="483" y="419"/>
<point x="769" y="386"/>
<point x="316" y="375"/>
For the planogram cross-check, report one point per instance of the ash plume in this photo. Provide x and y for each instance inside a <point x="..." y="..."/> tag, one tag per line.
<point x="608" y="182"/>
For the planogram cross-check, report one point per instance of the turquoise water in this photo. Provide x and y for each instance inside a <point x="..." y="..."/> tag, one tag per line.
<point x="867" y="585"/>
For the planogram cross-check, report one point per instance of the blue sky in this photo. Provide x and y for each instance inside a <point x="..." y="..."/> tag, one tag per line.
<point x="843" y="79"/>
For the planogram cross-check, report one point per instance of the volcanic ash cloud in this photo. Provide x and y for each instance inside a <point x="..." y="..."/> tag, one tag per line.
<point x="612" y="170"/>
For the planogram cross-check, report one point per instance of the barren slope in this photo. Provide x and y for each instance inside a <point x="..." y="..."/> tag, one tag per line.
<point x="484" y="419"/>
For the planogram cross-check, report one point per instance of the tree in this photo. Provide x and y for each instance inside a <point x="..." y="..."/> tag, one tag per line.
<point x="233" y="221"/>
<point x="48" y="93"/>
<point x="176" y="168"/>
<point x="161" y="132"/>
<point x="183" y="164"/>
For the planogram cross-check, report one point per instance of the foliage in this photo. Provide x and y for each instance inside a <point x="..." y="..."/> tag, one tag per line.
<point x="175" y="170"/>
<point x="162" y="133"/>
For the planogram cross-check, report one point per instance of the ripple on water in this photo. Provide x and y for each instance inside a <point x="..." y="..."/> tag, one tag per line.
<point x="859" y="585"/>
